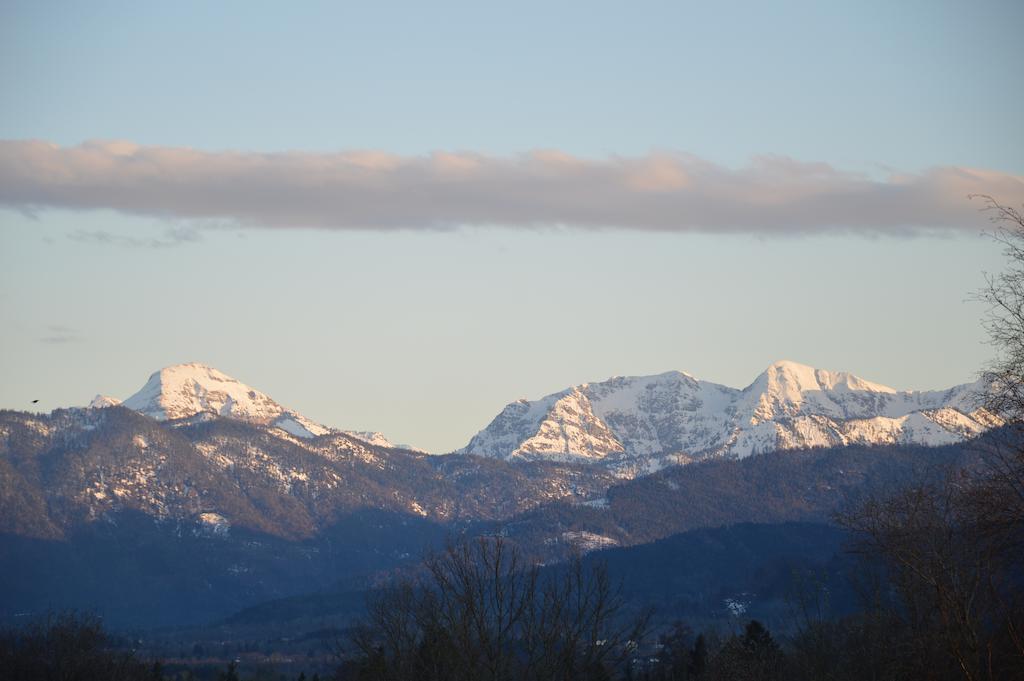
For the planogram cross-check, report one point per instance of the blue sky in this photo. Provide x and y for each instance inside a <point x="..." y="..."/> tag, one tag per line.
<point x="425" y="334"/>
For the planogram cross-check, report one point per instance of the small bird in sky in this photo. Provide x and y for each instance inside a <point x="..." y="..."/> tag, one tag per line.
<point x="35" y="401"/>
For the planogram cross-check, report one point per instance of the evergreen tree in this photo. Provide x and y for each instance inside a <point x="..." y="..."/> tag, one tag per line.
<point x="674" y="658"/>
<point x="231" y="674"/>
<point x="699" y="657"/>
<point x="758" y="641"/>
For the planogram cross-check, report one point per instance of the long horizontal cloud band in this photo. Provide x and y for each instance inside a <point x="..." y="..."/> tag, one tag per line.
<point x="376" y="190"/>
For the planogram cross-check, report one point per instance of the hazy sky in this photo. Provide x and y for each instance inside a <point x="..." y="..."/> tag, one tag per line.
<point x="401" y="217"/>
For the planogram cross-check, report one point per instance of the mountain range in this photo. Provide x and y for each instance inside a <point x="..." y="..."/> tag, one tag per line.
<point x="639" y="424"/>
<point x="210" y="488"/>
<point x="633" y="425"/>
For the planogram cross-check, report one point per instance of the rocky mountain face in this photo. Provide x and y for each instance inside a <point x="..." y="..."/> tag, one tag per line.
<point x="76" y="466"/>
<point x="638" y="425"/>
<point x="195" y="445"/>
<point x="209" y="492"/>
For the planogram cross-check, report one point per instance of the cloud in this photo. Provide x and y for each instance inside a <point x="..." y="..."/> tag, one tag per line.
<point x="374" y="190"/>
<point x="170" y="238"/>
<point x="58" y="334"/>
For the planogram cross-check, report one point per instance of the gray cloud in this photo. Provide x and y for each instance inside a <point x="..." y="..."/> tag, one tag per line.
<point x="376" y="190"/>
<point x="170" y="238"/>
<point x="58" y="334"/>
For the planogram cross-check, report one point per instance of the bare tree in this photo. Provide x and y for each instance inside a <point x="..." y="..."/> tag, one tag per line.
<point x="940" y="573"/>
<point x="1004" y="319"/>
<point x="954" y="550"/>
<point x="576" y="628"/>
<point x="998" y="498"/>
<point x="67" y="646"/>
<point x="479" y="612"/>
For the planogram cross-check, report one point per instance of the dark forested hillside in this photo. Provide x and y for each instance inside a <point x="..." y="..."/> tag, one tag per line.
<point x="806" y="486"/>
<point x="712" y="576"/>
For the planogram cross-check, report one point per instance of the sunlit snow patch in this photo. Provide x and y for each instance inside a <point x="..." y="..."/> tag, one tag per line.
<point x="588" y="541"/>
<point x="213" y="524"/>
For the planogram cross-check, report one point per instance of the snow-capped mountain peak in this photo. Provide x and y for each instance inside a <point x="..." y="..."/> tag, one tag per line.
<point x="788" y="388"/>
<point x="185" y="390"/>
<point x="638" y="424"/>
<point x="194" y="389"/>
<point x="793" y="375"/>
<point x="101" y="401"/>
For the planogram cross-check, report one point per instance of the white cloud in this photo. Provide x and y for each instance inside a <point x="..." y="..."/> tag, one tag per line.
<point x="378" y="190"/>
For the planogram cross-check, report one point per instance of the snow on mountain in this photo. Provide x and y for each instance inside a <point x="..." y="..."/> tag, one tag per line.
<point x="197" y="390"/>
<point x="101" y="401"/>
<point x="636" y="425"/>
<point x="376" y="438"/>
<point x="184" y="390"/>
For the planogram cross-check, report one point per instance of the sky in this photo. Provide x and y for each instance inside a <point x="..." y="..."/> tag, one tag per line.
<point x="400" y="217"/>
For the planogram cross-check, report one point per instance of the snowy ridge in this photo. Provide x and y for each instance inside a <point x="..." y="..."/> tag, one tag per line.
<point x="636" y="425"/>
<point x="101" y="401"/>
<point x="194" y="391"/>
<point x="378" y="439"/>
